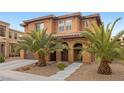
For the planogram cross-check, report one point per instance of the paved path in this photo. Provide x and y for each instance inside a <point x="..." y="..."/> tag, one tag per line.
<point x="15" y="64"/>
<point x="7" y="73"/>
<point x="61" y="75"/>
<point x="20" y="76"/>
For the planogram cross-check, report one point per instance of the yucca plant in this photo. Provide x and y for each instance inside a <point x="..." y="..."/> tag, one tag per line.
<point x="40" y="44"/>
<point x="103" y="46"/>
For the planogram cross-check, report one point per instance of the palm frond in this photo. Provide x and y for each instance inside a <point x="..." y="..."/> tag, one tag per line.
<point x="101" y="44"/>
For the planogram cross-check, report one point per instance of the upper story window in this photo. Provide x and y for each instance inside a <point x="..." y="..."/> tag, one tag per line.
<point x="15" y="35"/>
<point x="68" y="24"/>
<point x="39" y="26"/>
<point x="86" y="23"/>
<point x="10" y="34"/>
<point x="2" y="31"/>
<point x="61" y="25"/>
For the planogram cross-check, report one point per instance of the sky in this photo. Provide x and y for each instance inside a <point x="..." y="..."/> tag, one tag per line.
<point x="16" y="18"/>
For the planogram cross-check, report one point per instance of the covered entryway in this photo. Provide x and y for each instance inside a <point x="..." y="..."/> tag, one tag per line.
<point x="53" y="56"/>
<point x="77" y="50"/>
<point x="64" y="53"/>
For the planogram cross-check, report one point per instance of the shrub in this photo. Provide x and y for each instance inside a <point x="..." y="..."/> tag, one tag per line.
<point x="2" y="58"/>
<point x="61" y="66"/>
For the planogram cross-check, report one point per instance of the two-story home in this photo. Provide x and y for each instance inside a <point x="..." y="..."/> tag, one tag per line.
<point x="8" y="38"/>
<point x="68" y="28"/>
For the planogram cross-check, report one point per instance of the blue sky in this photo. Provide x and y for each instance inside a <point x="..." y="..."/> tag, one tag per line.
<point x="16" y="18"/>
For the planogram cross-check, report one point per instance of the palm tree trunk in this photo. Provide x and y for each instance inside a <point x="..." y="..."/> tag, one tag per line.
<point x="43" y="60"/>
<point x="104" y="68"/>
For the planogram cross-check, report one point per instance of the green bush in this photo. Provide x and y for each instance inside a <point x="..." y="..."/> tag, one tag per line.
<point x="2" y="58"/>
<point x="61" y="66"/>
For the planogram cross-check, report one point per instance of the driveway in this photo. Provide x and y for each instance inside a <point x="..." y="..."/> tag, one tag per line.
<point x="7" y="72"/>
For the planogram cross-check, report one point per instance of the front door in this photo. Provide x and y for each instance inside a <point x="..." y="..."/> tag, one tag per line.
<point x="77" y="55"/>
<point x="53" y="56"/>
<point x="64" y="55"/>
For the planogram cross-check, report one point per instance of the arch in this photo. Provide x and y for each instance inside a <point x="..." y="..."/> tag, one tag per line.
<point x="65" y="43"/>
<point x="77" y="48"/>
<point x="64" y="53"/>
<point x="77" y="45"/>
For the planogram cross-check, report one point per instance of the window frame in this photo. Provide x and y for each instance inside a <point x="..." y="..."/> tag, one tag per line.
<point x="40" y="28"/>
<point x="86" y="23"/>
<point x="61" y="26"/>
<point x="2" y="31"/>
<point x="69" y="25"/>
<point x="10" y="34"/>
<point x="15" y="36"/>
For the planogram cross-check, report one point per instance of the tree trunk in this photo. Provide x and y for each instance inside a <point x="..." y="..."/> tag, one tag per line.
<point x="104" y="68"/>
<point x="41" y="61"/>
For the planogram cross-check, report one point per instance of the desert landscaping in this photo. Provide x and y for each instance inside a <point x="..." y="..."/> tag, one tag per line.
<point x="48" y="70"/>
<point x="89" y="73"/>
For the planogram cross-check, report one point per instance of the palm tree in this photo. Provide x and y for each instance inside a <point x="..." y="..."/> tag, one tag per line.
<point x="103" y="46"/>
<point x="40" y="44"/>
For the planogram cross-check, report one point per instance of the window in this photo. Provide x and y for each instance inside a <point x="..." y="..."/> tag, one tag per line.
<point x="68" y="24"/>
<point x="61" y="25"/>
<point x="10" y="34"/>
<point x="39" y="26"/>
<point x="86" y="23"/>
<point x="2" y="31"/>
<point x="15" y="35"/>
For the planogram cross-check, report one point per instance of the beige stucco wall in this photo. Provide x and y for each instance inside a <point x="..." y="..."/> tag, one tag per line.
<point x="50" y="24"/>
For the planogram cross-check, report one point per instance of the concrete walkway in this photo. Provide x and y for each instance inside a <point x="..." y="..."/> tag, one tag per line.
<point x="7" y="73"/>
<point x="61" y="75"/>
<point x="20" y="76"/>
<point x="15" y="64"/>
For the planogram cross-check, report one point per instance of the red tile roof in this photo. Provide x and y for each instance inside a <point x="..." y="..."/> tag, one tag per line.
<point x="39" y="18"/>
<point x="59" y="17"/>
